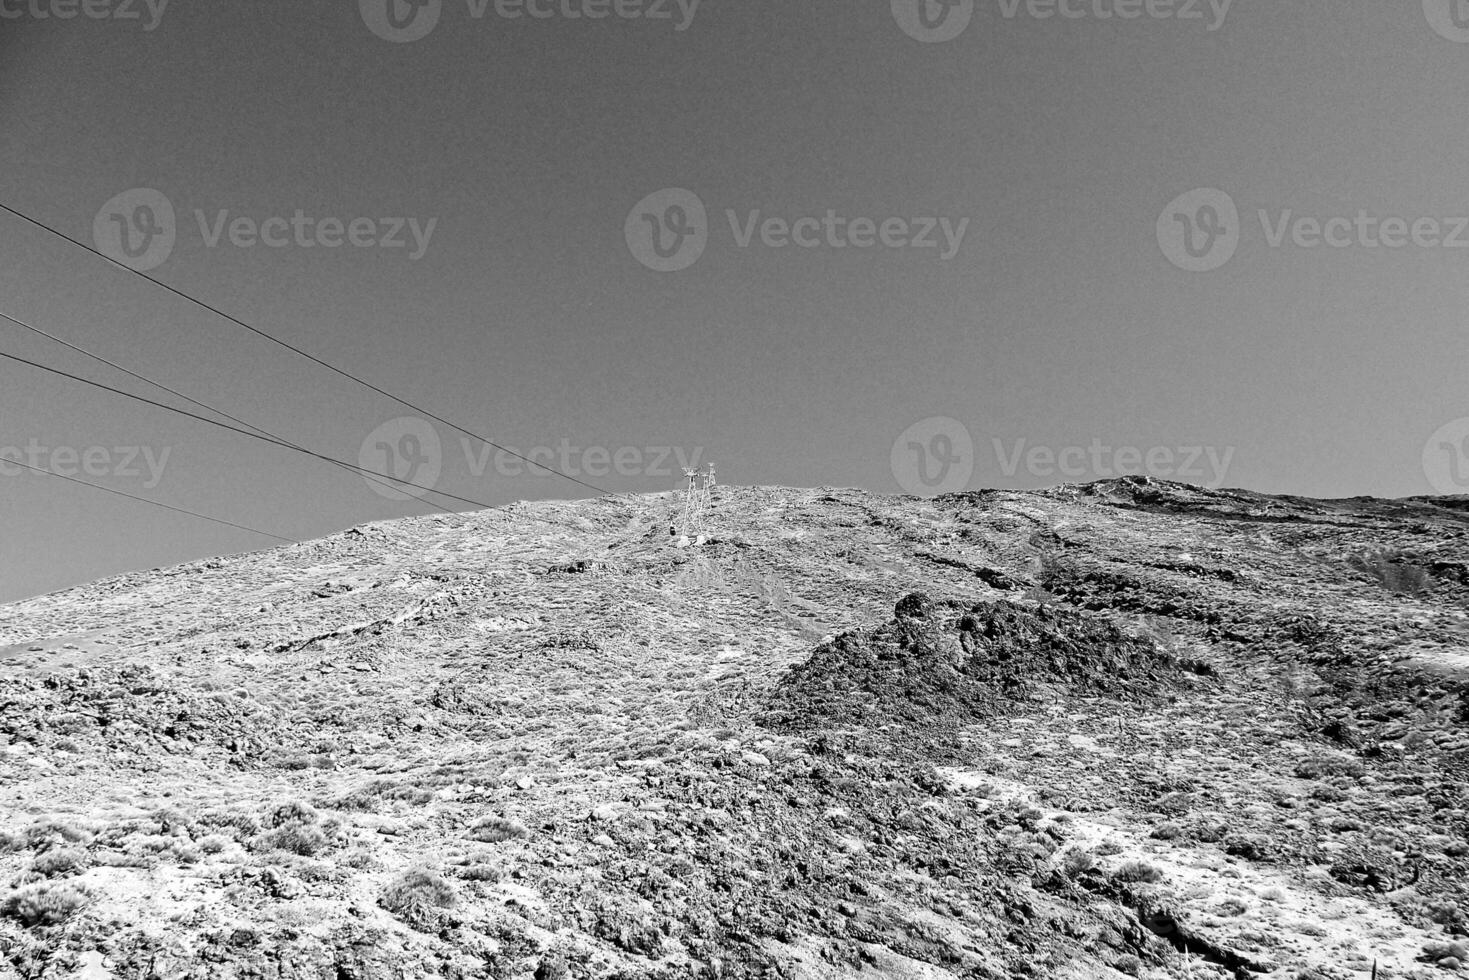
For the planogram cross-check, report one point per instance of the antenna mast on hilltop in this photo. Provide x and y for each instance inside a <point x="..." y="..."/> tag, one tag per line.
<point x="697" y="498"/>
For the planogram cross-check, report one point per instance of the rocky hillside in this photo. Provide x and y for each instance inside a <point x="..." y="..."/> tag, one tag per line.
<point x="1124" y="729"/>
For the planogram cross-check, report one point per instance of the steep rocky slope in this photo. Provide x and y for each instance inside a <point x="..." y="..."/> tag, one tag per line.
<point x="1131" y="728"/>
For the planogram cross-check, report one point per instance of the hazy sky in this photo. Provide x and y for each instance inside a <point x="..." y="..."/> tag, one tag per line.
<point x="996" y="288"/>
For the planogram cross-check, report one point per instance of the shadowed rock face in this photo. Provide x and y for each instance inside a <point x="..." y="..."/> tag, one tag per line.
<point x="1077" y="733"/>
<point x="947" y="663"/>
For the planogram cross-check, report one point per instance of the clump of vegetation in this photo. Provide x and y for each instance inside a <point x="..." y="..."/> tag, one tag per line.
<point x="416" y="896"/>
<point x="237" y="824"/>
<point x="42" y="905"/>
<point x="366" y="798"/>
<point x="59" y="861"/>
<point x="492" y="830"/>
<point x="1137" y="871"/>
<point x="1077" y="861"/>
<point x="296" y="828"/>
<point x="49" y="833"/>
<point x="292" y="812"/>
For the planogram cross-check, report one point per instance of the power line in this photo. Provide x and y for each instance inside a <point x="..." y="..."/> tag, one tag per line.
<point x="310" y="357"/>
<point x="244" y="432"/>
<point x="155" y="503"/>
<point x="194" y="401"/>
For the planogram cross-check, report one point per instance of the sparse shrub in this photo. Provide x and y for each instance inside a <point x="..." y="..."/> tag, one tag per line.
<point x="1138" y="871"/>
<point x="1167" y="831"/>
<point x="492" y="830"/>
<point x="366" y="798"/>
<point x="359" y="858"/>
<point x="214" y="844"/>
<point x="1078" y="861"/>
<point x="1107" y="848"/>
<point x="239" y="825"/>
<point x="480" y="872"/>
<point x="292" y="812"/>
<point x="59" y="861"/>
<point x="48" y="833"/>
<point x="415" y="895"/>
<point x="1128" y="964"/>
<point x="44" y="904"/>
<point x="294" y="838"/>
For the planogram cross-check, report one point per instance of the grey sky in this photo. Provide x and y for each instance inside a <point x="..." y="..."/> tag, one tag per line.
<point x="1059" y="325"/>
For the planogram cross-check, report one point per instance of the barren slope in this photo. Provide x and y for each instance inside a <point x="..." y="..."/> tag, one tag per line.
<point x="1132" y="727"/>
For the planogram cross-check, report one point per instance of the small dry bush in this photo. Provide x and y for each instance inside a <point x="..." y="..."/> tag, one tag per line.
<point x="415" y="897"/>
<point x="492" y="830"/>
<point x="367" y="798"/>
<point x="1138" y="871"/>
<point x="1078" y="861"/>
<point x="59" y="861"/>
<point x="44" y="904"/>
<point x="49" y="833"/>
<point x="292" y="812"/>
<point x="294" y="838"/>
<point x="238" y="825"/>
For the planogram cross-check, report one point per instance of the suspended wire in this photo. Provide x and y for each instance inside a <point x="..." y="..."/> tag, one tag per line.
<point x="194" y="401"/>
<point x="296" y="350"/>
<point x="244" y="432"/>
<point x="155" y="503"/>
